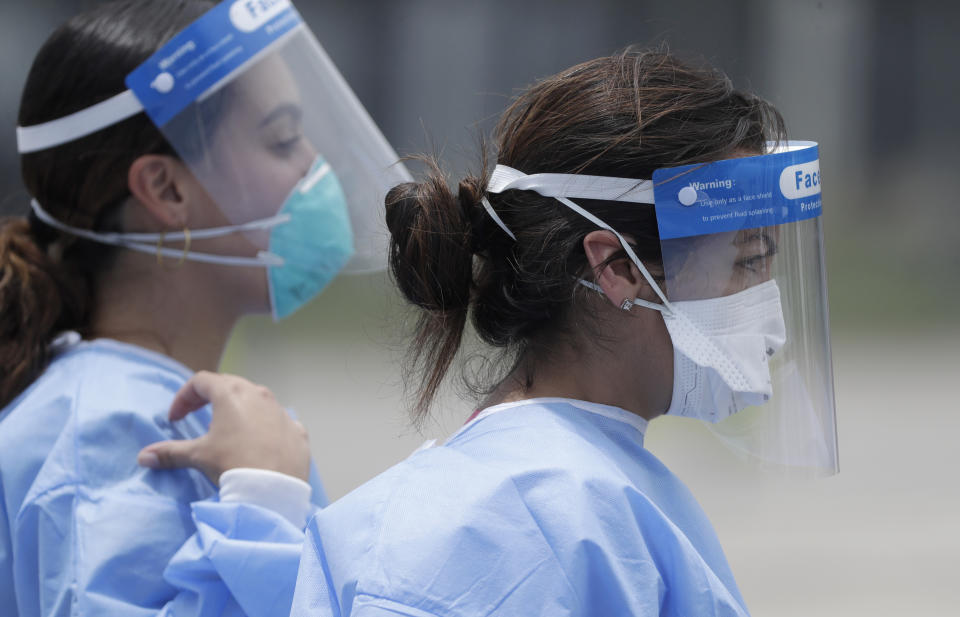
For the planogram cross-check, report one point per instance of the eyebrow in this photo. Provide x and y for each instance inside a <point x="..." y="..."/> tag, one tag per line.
<point x="286" y="109"/>
<point x="769" y="243"/>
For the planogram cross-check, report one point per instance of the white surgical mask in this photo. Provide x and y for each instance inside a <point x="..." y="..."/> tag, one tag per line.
<point x="721" y="351"/>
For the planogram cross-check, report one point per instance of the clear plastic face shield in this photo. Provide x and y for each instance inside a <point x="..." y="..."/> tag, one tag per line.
<point x="744" y="297"/>
<point x="293" y="165"/>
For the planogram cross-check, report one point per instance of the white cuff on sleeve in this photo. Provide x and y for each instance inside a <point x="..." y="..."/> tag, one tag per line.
<point x="287" y="496"/>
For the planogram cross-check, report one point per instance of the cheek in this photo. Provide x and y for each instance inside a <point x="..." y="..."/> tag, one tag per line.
<point x="268" y="184"/>
<point x="747" y="278"/>
<point x="205" y="209"/>
<point x="254" y="182"/>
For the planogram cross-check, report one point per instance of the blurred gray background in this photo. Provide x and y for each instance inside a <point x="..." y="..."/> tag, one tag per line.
<point x="875" y="83"/>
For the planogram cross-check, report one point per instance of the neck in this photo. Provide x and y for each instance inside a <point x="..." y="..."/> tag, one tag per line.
<point x="172" y="311"/>
<point x="596" y="375"/>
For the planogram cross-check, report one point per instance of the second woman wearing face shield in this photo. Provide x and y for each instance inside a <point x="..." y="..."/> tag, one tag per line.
<point x="647" y="244"/>
<point x="183" y="163"/>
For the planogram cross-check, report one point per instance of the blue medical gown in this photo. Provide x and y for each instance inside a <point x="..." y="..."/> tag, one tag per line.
<point x="85" y="531"/>
<point x="550" y="507"/>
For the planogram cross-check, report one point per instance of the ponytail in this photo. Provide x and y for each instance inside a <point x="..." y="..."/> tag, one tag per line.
<point x="37" y="299"/>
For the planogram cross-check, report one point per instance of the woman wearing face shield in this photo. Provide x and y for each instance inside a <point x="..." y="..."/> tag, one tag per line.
<point x="146" y="241"/>
<point x="612" y="284"/>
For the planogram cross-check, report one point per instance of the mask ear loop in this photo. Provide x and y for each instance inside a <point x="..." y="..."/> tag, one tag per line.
<point x="636" y="301"/>
<point x="666" y="306"/>
<point x="143" y="242"/>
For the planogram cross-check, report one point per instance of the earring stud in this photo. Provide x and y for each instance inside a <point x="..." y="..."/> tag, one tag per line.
<point x="627" y="304"/>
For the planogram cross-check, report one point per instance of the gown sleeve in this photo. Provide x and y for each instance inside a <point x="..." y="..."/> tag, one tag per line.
<point x="86" y="531"/>
<point x="115" y="553"/>
<point x="314" y="595"/>
<point x="248" y="540"/>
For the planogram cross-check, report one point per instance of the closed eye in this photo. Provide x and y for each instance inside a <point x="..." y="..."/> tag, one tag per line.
<point x="286" y="148"/>
<point x="762" y="247"/>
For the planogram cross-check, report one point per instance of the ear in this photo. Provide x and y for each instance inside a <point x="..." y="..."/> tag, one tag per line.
<point x="158" y="182"/>
<point x="619" y="280"/>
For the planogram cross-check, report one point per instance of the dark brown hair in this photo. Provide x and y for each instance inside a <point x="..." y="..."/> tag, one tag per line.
<point x="622" y="116"/>
<point x="46" y="277"/>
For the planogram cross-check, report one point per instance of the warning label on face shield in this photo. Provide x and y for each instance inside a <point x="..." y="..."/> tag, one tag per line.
<point x="208" y="52"/>
<point x="742" y="193"/>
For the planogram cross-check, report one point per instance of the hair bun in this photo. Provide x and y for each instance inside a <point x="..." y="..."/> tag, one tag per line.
<point x="431" y="260"/>
<point x="431" y="255"/>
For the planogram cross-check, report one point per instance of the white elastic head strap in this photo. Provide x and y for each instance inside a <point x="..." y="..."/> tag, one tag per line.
<point x="79" y="124"/>
<point x="138" y="241"/>
<point x="562" y="186"/>
<point x="572" y="185"/>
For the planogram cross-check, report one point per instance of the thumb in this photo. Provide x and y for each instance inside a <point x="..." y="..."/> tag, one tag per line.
<point x="172" y="454"/>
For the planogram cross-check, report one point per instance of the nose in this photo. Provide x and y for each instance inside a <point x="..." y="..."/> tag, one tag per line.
<point x="308" y="156"/>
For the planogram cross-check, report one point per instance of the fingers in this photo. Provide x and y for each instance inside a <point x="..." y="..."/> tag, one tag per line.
<point x="191" y="396"/>
<point x="201" y="389"/>
<point x="169" y="454"/>
<point x="249" y="428"/>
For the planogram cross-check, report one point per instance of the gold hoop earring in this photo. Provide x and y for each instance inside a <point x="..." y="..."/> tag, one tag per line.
<point x="186" y="248"/>
<point x="159" y="248"/>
